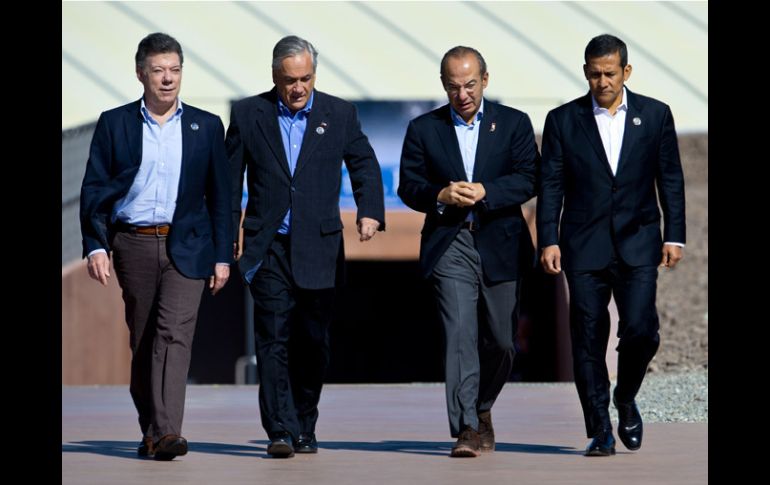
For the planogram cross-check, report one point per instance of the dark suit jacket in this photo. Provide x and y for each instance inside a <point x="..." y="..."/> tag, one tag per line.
<point x="200" y="234"/>
<point x="505" y="164"/>
<point x="254" y="142"/>
<point x="600" y="208"/>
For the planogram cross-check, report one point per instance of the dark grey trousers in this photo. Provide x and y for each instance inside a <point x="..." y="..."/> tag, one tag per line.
<point x="161" y="312"/>
<point x="479" y="324"/>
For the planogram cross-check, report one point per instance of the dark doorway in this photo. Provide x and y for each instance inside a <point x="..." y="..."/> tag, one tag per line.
<point x="385" y="329"/>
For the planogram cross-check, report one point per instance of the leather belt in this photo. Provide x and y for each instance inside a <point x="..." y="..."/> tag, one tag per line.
<point x="470" y="225"/>
<point x="160" y="230"/>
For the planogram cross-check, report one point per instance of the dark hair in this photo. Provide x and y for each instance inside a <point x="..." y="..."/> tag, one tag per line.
<point x="604" y="45"/>
<point x="459" y="51"/>
<point x="157" y="43"/>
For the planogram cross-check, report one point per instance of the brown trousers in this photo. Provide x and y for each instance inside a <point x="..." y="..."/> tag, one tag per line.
<point x="161" y="313"/>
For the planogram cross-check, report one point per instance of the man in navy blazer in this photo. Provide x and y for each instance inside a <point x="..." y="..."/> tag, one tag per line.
<point x="156" y="194"/>
<point x="469" y="165"/>
<point x="291" y="142"/>
<point x="604" y="156"/>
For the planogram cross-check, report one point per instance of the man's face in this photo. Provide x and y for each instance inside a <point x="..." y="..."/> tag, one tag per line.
<point x="464" y="85"/>
<point x="605" y="78"/>
<point x="161" y="76"/>
<point x="294" y="80"/>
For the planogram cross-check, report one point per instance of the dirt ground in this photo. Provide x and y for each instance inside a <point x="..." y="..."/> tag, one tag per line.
<point x="683" y="292"/>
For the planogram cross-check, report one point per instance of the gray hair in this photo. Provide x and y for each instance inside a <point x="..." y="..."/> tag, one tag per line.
<point x="290" y="46"/>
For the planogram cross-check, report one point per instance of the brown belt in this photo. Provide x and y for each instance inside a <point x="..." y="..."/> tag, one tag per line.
<point x="161" y="230"/>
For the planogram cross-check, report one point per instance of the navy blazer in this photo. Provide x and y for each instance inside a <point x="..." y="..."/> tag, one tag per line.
<point x="506" y="161"/>
<point x="601" y="208"/>
<point x="200" y="234"/>
<point x="254" y="142"/>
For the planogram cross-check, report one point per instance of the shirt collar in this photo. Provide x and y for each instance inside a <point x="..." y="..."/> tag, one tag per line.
<point x="457" y="119"/>
<point x="146" y="114"/>
<point x="284" y="111"/>
<point x="623" y="103"/>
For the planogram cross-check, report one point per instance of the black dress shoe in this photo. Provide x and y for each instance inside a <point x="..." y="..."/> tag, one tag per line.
<point x="170" y="446"/>
<point x="306" y="443"/>
<point x="629" y="424"/>
<point x="146" y="447"/>
<point x="603" y="444"/>
<point x="281" y="446"/>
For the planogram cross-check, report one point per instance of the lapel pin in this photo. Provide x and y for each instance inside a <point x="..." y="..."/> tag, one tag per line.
<point x="194" y="126"/>
<point x="321" y="129"/>
<point x="492" y="128"/>
<point x="637" y="121"/>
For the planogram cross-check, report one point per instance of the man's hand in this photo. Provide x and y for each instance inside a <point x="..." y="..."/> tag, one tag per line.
<point x="462" y="194"/>
<point x="221" y="275"/>
<point x="671" y="255"/>
<point x="551" y="259"/>
<point x="237" y="250"/>
<point x="99" y="267"/>
<point x="367" y="228"/>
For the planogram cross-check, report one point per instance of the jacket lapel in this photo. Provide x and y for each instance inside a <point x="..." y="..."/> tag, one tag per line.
<point x="267" y="123"/>
<point x="631" y="131"/>
<point x="132" y="123"/>
<point x="588" y="124"/>
<point x="190" y="130"/>
<point x="318" y="118"/>
<point x="448" y="137"/>
<point x="486" y="138"/>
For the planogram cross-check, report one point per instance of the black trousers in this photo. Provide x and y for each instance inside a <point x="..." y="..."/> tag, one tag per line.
<point x="291" y="325"/>
<point x="590" y="291"/>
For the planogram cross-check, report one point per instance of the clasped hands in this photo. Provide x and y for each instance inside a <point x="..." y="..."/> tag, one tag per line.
<point x="462" y="194"/>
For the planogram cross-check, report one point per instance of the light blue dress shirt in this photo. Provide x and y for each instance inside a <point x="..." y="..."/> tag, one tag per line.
<point x="151" y="199"/>
<point x="468" y="139"/>
<point x="293" y="128"/>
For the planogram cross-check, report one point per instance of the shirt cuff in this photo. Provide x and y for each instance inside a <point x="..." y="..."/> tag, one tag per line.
<point x="223" y="264"/>
<point x="681" y="245"/>
<point x="100" y="250"/>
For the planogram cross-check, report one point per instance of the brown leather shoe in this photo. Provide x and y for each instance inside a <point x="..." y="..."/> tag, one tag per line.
<point x="467" y="444"/>
<point x="486" y="432"/>
<point x="169" y="446"/>
<point x="146" y="447"/>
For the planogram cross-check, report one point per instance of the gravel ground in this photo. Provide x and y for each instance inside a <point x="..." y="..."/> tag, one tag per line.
<point x="667" y="398"/>
<point x="663" y="398"/>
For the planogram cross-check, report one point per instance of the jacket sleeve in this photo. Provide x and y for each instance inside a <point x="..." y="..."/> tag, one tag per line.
<point x="670" y="182"/>
<point x="551" y="190"/>
<point x="218" y="196"/>
<point x="94" y="212"/>
<point x="364" y="172"/>
<point x="414" y="187"/>
<point x="237" y="163"/>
